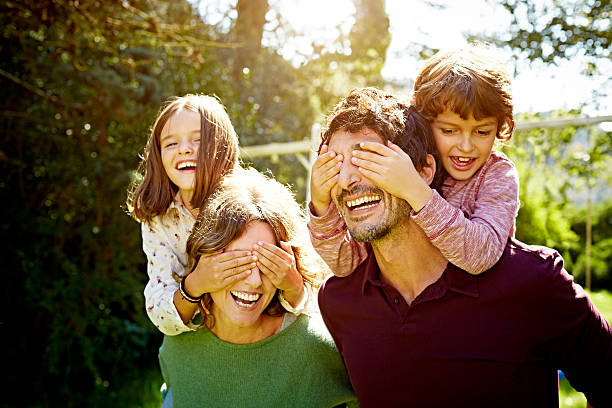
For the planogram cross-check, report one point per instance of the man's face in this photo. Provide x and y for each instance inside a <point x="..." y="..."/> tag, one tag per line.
<point x="369" y="212"/>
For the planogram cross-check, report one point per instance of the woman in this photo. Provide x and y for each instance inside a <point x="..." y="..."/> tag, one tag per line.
<point x="249" y="351"/>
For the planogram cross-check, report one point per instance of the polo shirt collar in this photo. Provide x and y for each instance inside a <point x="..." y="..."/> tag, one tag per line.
<point x="372" y="272"/>
<point x="460" y="281"/>
<point x="453" y="278"/>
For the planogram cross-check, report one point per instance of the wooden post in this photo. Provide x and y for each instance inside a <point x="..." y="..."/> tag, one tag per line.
<point x="315" y="141"/>
<point x="587" y="264"/>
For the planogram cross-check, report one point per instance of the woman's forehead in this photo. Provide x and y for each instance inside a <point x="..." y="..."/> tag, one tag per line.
<point x="255" y="231"/>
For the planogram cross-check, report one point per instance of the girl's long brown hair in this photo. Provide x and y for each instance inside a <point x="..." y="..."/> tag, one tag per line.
<point x="217" y="156"/>
<point x="243" y="197"/>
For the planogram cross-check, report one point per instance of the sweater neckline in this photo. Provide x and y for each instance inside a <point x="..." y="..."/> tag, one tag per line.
<point x="300" y="320"/>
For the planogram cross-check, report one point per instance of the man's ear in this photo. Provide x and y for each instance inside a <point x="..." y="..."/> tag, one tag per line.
<point x="428" y="171"/>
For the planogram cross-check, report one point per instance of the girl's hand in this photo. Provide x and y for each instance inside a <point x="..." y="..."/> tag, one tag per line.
<point x="391" y="169"/>
<point x="324" y="176"/>
<point x="217" y="271"/>
<point x="279" y="265"/>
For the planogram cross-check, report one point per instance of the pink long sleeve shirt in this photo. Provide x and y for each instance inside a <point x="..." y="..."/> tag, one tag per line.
<point x="470" y="225"/>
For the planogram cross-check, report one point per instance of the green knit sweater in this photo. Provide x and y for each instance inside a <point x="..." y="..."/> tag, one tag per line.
<point x="297" y="367"/>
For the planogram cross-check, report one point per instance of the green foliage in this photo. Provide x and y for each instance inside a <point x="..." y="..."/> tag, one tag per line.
<point x="557" y="169"/>
<point x="601" y="251"/>
<point x="81" y="85"/>
<point x="547" y="30"/>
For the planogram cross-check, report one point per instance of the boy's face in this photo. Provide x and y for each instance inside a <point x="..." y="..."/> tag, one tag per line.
<point x="464" y="145"/>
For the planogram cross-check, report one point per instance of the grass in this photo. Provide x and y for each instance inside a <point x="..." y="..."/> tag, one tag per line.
<point x="568" y="397"/>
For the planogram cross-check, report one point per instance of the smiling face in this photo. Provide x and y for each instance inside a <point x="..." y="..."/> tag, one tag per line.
<point x="240" y="307"/>
<point x="369" y="212"/>
<point x="179" y="141"/>
<point x="464" y="145"/>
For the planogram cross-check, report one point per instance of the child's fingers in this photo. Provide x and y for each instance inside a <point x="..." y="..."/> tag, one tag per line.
<point x="286" y="246"/>
<point x="369" y="165"/>
<point x="323" y="177"/>
<point x="375" y="147"/>
<point x="272" y="253"/>
<point x="323" y="158"/>
<point x="270" y="273"/>
<point x="236" y="262"/>
<point x="373" y="176"/>
<point x="371" y="156"/>
<point x="228" y="280"/>
<point x="330" y="165"/>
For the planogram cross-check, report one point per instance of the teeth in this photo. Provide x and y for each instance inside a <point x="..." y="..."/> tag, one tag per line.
<point x="249" y="297"/>
<point x="186" y="164"/>
<point x="463" y="159"/>
<point x="362" y="200"/>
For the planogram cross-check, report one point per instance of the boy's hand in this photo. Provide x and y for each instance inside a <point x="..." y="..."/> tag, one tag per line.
<point x="324" y="176"/>
<point x="391" y="169"/>
<point x="217" y="271"/>
<point x="279" y="265"/>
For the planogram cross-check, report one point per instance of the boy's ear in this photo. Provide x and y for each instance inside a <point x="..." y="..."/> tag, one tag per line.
<point x="428" y="171"/>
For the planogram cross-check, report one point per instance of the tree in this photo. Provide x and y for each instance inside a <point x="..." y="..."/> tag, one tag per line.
<point x="551" y="30"/>
<point x="81" y="82"/>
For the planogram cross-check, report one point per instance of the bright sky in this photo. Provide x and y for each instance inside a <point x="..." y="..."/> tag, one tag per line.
<point x="537" y="88"/>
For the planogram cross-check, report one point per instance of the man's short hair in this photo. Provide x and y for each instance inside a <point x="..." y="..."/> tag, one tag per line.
<point x="391" y="118"/>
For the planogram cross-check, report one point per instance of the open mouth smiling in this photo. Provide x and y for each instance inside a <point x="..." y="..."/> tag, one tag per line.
<point x="363" y="203"/>
<point x="187" y="165"/>
<point x="244" y="299"/>
<point x="462" y="161"/>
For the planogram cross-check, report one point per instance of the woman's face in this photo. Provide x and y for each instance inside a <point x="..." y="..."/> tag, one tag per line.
<point x="241" y="305"/>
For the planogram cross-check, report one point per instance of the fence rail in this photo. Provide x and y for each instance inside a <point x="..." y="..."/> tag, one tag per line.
<point x="309" y="146"/>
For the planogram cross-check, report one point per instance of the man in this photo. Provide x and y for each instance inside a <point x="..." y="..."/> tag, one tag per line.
<point x="415" y="330"/>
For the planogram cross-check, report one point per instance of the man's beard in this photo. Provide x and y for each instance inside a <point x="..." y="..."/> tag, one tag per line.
<point x="396" y="210"/>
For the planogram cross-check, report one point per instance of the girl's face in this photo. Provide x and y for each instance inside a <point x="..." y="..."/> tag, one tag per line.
<point x="464" y="145"/>
<point x="180" y="141"/>
<point x="239" y="308"/>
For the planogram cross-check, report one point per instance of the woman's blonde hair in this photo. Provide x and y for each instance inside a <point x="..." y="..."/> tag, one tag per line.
<point x="243" y="197"/>
<point x="217" y="156"/>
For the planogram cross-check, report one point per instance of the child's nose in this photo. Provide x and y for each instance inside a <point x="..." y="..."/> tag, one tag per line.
<point x="466" y="143"/>
<point x="186" y="146"/>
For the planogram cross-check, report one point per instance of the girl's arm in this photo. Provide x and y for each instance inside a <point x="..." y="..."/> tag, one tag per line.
<point x="160" y="290"/>
<point x="334" y="244"/>
<point x="475" y="242"/>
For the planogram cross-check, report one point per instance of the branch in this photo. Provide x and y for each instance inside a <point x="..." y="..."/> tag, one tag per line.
<point x="45" y="95"/>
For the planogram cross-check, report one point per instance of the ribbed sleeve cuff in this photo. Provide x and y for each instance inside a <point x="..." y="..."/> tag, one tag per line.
<point x="327" y="225"/>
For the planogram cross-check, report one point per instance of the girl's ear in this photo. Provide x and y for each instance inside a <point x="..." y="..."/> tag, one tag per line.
<point x="429" y="171"/>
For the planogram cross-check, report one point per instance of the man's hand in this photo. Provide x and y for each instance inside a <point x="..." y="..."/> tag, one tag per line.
<point x="324" y="176"/>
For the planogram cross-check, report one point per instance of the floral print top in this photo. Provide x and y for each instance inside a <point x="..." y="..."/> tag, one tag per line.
<point x="163" y="240"/>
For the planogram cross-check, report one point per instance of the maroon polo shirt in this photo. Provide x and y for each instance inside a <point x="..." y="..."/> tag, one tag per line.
<point x="490" y="340"/>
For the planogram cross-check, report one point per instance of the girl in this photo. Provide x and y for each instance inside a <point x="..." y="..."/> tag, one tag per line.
<point x="466" y="97"/>
<point x="191" y="147"/>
